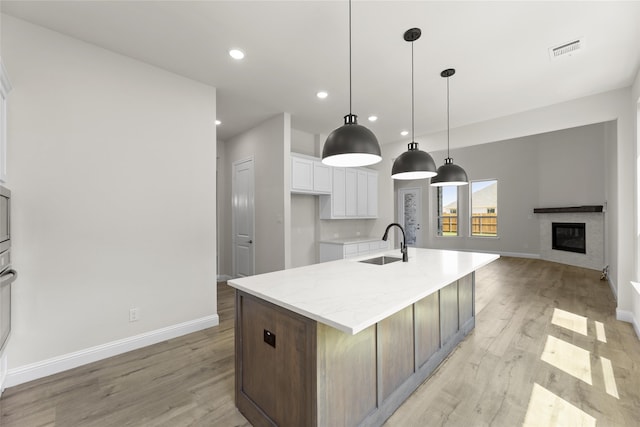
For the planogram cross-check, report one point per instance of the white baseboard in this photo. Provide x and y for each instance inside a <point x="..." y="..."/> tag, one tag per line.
<point x="68" y="361"/>
<point x="624" y="315"/>
<point x="627" y="316"/>
<point x="519" y="255"/>
<point x="3" y="372"/>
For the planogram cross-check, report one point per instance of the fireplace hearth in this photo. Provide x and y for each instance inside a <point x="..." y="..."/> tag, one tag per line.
<point x="569" y="236"/>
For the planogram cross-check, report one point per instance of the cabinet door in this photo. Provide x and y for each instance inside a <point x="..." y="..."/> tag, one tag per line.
<point x="362" y="193"/>
<point x="372" y="194"/>
<point x="364" y="248"/>
<point x="338" y="195"/>
<point x="350" y="250"/>
<point x="351" y="192"/>
<point x="321" y="178"/>
<point x="301" y="174"/>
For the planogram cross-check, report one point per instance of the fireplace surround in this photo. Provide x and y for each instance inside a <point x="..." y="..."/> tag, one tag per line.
<point x="593" y="219"/>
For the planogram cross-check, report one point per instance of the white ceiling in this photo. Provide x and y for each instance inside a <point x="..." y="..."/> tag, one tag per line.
<point x="295" y="48"/>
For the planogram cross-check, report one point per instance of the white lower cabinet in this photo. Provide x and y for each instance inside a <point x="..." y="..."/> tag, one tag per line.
<point x="331" y="251"/>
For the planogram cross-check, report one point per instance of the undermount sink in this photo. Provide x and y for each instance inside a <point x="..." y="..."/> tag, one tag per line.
<point x="381" y="260"/>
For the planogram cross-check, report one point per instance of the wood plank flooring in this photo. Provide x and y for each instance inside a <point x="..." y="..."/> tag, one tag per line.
<point x="546" y="351"/>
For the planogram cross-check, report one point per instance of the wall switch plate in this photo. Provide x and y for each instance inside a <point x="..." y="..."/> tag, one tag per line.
<point x="134" y="314"/>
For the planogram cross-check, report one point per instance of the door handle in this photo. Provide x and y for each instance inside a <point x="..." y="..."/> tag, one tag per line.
<point x="250" y="242"/>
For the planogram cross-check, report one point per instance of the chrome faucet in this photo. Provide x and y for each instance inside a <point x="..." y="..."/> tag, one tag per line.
<point x="403" y="244"/>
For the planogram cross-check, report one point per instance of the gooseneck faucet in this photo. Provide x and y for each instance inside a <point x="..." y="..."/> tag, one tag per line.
<point x="403" y="244"/>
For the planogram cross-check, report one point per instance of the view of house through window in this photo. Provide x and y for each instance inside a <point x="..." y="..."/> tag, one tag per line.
<point x="447" y="211"/>
<point x="484" y="208"/>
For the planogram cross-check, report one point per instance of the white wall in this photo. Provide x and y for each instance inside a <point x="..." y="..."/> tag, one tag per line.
<point x="223" y="233"/>
<point x="619" y="180"/>
<point x="635" y="293"/>
<point x="112" y="168"/>
<point x="560" y="168"/>
<point x="269" y="144"/>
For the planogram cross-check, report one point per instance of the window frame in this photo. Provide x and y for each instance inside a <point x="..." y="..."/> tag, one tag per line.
<point x="439" y="232"/>
<point x="494" y="209"/>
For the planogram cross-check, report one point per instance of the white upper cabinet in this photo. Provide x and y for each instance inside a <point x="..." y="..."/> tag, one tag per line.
<point x="372" y="194"/>
<point x="309" y="175"/>
<point x="363" y="193"/>
<point x="344" y="192"/>
<point x="351" y="193"/>
<point x="321" y="177"/>
<point x="354" y="195"/>
<point x="337" y="202"/>
<point x="5" y="87"/>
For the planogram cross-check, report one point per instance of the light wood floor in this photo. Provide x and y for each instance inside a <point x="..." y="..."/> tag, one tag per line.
<point x="546" y="351"/>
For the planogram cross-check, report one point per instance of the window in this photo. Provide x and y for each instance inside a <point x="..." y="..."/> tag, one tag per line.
<point x="447" y="211"/>
<point x="484" y="208"/>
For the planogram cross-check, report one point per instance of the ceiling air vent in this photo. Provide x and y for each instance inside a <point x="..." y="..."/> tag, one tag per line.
<point x="566" y="49"/>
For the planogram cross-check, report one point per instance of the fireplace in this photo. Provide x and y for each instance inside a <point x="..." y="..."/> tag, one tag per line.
<point x="569" y="236"/>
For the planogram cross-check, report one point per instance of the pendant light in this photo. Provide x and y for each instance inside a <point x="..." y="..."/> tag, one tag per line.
<point x="351" y="145"/>
<point x="449" y="174"/>
<point x="414" y="163"/>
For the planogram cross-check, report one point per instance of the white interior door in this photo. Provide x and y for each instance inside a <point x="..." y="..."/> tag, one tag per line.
<point x="242" y="187"/>
<point x="410" y="215"/>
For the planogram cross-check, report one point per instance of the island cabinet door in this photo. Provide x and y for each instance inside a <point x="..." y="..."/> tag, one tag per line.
<point x="448" y="312"/>
<point x="427" y="326"/>
<point x="465" y="299"/>
<point x="275" y="364"/>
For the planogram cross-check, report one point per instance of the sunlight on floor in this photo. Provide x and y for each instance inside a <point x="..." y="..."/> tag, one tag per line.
<point x="602" y="337"/>
<point x="609" y="379"/>
<point x="569" y="358"/>
<point x="548" y="410"/>
<point x="570" y="321"/>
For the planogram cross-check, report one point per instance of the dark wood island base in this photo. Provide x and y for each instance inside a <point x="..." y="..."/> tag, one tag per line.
<point x="295" y="371"/>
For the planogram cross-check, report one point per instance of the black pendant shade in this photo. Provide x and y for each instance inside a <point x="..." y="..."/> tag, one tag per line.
<point x="449" y="174"/>
<point x="351" y="145"/>
<point x="413" y="163"/>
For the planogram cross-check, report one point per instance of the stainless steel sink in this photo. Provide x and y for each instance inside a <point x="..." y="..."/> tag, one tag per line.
<point x="381" y="260"/>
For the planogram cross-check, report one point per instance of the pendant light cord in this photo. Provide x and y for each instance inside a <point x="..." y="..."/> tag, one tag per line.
<point x="350" y="108"/>
<point x="448" y="155"/>
<point x="412" y="99"/>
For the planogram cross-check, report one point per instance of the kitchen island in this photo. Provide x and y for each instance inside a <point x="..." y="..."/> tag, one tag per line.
<point x="346" y="342"/>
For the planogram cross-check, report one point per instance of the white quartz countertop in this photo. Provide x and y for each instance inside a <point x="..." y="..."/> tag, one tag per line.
<point x="348" y="240"/>
<point x="351" y="296"/>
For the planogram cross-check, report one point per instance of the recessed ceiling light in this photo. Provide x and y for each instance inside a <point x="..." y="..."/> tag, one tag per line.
<point x="404" y="133"/>
<point x="322" y="94"/>
<point x="236" y="54"/>
<point x="373" y="118"/>
<point x="218" y="122"/>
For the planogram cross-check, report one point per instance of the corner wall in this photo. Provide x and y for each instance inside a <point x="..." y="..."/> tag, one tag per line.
<point x="635" y="290"/>
<point x="112" y="169"/>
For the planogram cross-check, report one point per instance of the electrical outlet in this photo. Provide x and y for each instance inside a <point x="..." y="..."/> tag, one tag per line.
<point x="134" y="314"/>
